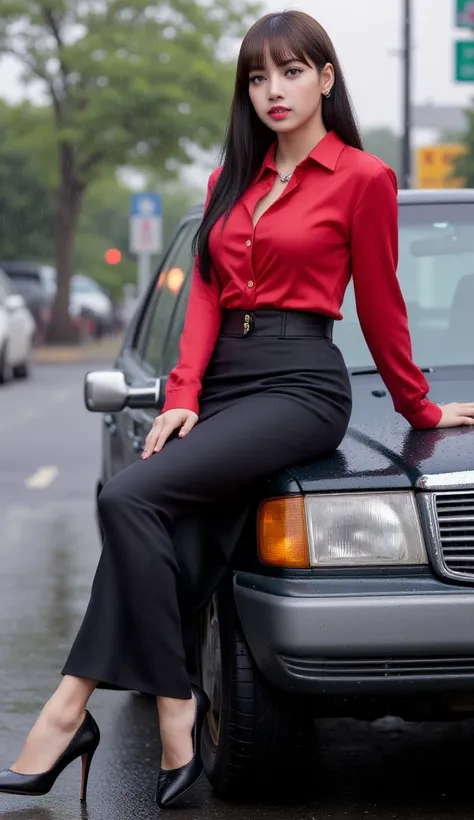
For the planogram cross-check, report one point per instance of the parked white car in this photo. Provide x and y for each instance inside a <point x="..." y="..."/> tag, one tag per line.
<point x="17" y="330"/>
<point x="87" y="297"/>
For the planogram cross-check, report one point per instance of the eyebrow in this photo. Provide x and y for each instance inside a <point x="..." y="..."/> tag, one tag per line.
<point x="261" y="67"/>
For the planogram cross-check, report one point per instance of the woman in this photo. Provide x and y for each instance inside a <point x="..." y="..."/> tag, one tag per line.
<point x="296" y="208"/>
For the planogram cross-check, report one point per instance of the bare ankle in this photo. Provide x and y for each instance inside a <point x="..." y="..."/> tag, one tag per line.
<point x="176" y="720"/>
<point x="66" y="707"/>
<point x="65" y="719"/>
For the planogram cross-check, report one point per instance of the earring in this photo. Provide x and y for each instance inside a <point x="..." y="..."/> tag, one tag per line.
<point x="327" y="93"/>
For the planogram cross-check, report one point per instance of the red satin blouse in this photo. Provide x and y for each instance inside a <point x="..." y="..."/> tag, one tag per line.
<point x="336" y="218"/>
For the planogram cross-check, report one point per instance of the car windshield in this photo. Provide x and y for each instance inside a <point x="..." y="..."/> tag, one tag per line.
<point x="25" y="282"/>
<point x="436" y="274"/>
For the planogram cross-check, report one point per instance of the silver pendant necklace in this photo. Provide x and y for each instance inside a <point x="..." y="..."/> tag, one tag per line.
<point x="285" y="177"/>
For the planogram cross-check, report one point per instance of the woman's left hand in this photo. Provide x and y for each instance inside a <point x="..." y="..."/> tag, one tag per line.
<point x="456" y="415"/>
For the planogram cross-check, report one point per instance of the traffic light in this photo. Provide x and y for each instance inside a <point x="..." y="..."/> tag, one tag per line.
<point x="113" y="256"/>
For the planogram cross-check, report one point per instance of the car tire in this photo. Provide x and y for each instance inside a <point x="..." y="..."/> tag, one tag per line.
<point x="5" y="368"/>
<point x="256" y="739"/>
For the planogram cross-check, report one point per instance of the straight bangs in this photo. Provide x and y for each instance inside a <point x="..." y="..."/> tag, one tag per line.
<point x="274" y="36"/>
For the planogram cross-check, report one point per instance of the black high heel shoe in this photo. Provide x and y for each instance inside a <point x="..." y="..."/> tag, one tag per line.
<point x="172" y="783"/>
<point x="83" y="744"/>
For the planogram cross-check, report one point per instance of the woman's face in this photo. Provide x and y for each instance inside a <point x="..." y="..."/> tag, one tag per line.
<point x="286" y="97"/>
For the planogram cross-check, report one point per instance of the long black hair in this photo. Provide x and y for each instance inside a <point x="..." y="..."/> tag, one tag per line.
<point x="287" y="35"/>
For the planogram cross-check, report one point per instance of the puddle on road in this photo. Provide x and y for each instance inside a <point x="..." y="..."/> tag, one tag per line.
<point x="47" y="556"/>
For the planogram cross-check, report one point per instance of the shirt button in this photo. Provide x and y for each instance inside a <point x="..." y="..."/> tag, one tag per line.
<point x="250" y="283"/>
<point x="248" y="243"/>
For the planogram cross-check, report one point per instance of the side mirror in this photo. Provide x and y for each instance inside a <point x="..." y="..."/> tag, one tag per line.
<point x="14" y="301"/>
<point x="106" y="391"/>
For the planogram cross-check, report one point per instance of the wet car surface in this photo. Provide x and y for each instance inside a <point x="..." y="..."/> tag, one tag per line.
<point x="50" y="451"/>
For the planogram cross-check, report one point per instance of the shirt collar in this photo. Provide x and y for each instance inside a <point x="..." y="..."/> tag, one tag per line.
<point x="326" y="152"/>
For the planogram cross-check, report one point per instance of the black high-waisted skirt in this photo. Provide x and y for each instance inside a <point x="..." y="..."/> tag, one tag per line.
<point x="276" y="393"/>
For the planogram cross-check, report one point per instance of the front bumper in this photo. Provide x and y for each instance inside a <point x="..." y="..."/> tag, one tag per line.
<point x="366" y="636"/>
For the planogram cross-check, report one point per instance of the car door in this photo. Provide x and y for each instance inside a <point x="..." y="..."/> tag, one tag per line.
<point x="175" y="328"/>
<point x="146" y="358"/>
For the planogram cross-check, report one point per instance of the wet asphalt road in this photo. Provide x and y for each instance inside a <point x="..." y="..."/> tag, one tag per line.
<point x="49" y="461"/>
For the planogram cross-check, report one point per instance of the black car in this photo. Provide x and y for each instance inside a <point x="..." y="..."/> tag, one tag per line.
<point x="379" y="617"/>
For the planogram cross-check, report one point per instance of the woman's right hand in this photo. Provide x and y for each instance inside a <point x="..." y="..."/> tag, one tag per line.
<point x="164" y="425"/>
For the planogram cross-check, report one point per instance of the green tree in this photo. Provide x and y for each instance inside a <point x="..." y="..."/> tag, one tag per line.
<point x="25" y="202"/>
<point x="125" y="82"/>
<point x="26" y="215"/>
<point x="104" y="223"/>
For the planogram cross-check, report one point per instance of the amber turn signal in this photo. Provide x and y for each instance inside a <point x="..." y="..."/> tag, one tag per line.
<point x="282" y="534"/>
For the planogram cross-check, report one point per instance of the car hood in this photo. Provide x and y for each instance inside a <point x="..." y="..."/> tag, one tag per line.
<point x="381" y="451"/>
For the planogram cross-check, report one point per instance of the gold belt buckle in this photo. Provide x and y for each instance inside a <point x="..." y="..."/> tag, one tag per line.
<point x="247" y="323"/>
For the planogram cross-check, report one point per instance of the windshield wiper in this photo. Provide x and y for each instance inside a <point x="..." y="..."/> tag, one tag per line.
<point x="367" y="371"/>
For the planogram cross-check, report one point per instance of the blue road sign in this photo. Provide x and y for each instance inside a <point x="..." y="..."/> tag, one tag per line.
<point x="147" y="206"/>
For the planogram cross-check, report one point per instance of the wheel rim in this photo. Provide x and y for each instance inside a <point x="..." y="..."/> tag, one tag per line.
<point x="211" y="661"/>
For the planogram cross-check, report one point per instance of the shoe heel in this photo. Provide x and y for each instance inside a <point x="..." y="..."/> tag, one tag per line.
<point x="86" y="765"/>
<point x="83" y="745"/>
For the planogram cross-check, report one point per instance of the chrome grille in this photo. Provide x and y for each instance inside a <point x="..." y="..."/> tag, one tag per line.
<point x="455" y="520"/>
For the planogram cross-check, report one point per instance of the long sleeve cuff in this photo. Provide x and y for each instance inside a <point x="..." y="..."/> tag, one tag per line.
<point x="178" y="399"/>
<point x="427" y="416"/>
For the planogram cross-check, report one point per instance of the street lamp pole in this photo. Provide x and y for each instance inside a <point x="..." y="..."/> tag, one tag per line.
<point x="406" y="139"/>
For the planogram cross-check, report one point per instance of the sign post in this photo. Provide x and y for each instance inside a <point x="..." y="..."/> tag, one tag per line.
<point x="434" y="166"/>
<point x="146" y="229"/>
<point x="465" y="13"/>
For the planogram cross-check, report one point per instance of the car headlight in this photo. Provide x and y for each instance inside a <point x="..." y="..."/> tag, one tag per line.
<point x="364" y="529"/>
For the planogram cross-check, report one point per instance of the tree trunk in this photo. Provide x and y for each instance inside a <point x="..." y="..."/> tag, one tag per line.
<point x="68" y="202"/>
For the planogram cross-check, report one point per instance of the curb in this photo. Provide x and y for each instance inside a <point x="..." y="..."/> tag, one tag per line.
<point x="98" y="351"/>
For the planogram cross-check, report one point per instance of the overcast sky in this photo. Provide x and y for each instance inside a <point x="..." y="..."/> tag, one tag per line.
<point x="366" y="34"/>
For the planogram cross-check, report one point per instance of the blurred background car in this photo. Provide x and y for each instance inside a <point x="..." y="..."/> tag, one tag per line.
<point x="89" y="306"/>
<point x="34" y="284"/>
<point x="17" y="331"/>
<point x="88" y="299"/>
